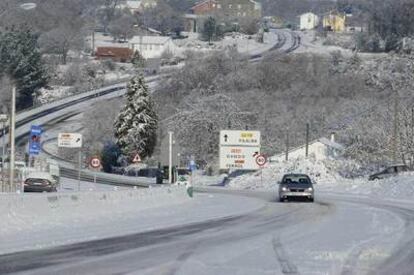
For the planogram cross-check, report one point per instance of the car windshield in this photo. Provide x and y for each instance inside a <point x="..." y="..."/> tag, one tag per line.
<point x="37" y="180"/>
<point x="296" y="180"/>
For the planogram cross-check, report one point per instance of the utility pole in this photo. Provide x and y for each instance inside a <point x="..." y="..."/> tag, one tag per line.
<point x="3" y="120"/>
<point x="395" y="132"/>
<point x="307" y="141"/>
<point x="412" y="139"/>
<point x="12" y="140"/>
<point x="93" y="42"/>
<point x="170" y="134"/>
<point x="287" y="145"/>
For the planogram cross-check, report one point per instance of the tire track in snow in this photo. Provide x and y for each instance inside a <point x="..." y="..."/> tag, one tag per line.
<point x="287" y="267"/>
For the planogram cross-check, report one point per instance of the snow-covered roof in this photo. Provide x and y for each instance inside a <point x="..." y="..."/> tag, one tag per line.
<point x="202" y="3"/>
<point x="307" y="13"/>
<point x="323" y="140"/>
<point x="161" y="40"/>
<point x="135" y="5"/>
<point x="257" y="5"/>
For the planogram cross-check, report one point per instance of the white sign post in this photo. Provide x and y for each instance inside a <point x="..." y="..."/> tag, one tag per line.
<point x="72" y="140"/>
<point x="95" y="163"/>
<point x="238" y="149"/>
<point x="261" y="161"/>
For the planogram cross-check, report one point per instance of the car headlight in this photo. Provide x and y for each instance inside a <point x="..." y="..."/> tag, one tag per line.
<point x="285" y="189"/>
<point x="310" y="189"/>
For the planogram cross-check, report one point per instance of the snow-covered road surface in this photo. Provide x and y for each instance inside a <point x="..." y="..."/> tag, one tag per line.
<point x="339" y="234"/>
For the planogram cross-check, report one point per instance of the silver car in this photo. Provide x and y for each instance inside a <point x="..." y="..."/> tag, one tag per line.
<point x="294" y="186"/>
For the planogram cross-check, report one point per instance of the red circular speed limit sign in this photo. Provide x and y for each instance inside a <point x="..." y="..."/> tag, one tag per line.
<point x="261" y="160"/>
<point x="95" y="162"/>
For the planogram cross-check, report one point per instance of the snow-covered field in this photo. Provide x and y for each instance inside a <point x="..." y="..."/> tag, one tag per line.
<point x="243" y="43"/>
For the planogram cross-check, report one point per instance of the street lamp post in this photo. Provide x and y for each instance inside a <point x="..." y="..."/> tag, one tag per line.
<point x="3" y="120"/>
<point x="170" y="135"/>
<point x="12" y="136"/>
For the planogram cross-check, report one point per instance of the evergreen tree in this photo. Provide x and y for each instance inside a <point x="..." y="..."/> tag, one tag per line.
<point x="138" y="60"/>
<point x="21" y="60"/>
<point x="136" y="125"/>
<point x="209" y="29"/>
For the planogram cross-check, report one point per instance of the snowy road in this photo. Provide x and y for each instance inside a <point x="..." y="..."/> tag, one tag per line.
<point x="336" y="235"/>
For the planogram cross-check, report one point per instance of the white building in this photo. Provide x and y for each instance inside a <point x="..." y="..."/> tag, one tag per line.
<point x="136" y="6"/>
<point x="309" y="21"/>
<point x="320" y="149"/>
<point x="133" y="6"/>
<point x="152" y="46"/>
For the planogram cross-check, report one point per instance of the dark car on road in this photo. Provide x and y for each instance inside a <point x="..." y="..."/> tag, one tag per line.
<point x="296" y="186"/>
<point x="390" y="172"/>
<point x="40" y="182"/>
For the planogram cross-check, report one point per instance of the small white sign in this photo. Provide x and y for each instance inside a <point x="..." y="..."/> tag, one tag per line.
<point x="238" y="157"/>
<point x="239" y="138"/>
<point x="261" y="160"/>
<point x="136" y="159"/>
<point x="70" y="140"/>
<point x="95" y="162"/>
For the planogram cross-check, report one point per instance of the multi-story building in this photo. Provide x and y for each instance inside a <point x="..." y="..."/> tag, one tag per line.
<point x="224" y="9"/>
<point x="228" y="8"/>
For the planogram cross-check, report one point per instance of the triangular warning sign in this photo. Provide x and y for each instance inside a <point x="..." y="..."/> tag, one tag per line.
<point x="136" y="159"/>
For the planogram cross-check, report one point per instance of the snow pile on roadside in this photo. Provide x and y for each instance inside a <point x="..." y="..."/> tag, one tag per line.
<point x="199" y="179"/>
<point x="331" y="176"/>
<point x="319" y="171"/>
<point x="36" y="211"/>
<point x="398" y="187"/>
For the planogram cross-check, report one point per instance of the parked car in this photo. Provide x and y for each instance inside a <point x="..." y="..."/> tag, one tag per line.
<point x="152" y="172"/>
<point x="296" y="186"/>
<point x="389" y="172"/>
<point x="40" y="182"/>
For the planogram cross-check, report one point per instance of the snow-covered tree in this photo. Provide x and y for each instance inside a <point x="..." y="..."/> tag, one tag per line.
<point x="21" y="60"/>
<point x="138" y="60"/>
<point x="136" y="125"/>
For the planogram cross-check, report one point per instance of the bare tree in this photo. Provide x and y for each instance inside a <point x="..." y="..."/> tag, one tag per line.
<point x="122" y="28"/>
<point x="62" y="39"/>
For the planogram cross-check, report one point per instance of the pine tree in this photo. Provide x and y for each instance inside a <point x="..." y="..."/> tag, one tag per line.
<point x="138" y="60"/>
<point x="21" y="60"/>
<point x="136" y="125"/>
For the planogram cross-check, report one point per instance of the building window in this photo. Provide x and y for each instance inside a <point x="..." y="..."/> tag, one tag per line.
<point x="214" y="5"/>
<point x="230" y="6"/>
<point x="238" y="14"/>
<point x="219" y="6"/>
<point x="244" y="14"/>
<point x="239" y="7"/>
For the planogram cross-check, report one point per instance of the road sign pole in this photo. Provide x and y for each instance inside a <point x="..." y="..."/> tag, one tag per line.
<point x="170" y="157"/>
<point x="80" y="167"/>
<point x="94" y="178"/>
<point x="261" y="175"/>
